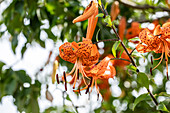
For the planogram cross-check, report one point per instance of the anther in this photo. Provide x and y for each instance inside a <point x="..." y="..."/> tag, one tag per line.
<point x="87" y="90"/>
<point x="97" y="96"/>
<point x="78" y="74"/>
<point x="167" y="75"/>
<point x="79" y="90"/>
<point x="151" y="71"/>
<point x="57" y="78"/>
<point x="151" y="60"/>
<point x="65" y="80"/>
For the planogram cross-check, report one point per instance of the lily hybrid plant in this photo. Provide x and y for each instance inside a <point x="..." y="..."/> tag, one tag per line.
<point x="85" y="55"/>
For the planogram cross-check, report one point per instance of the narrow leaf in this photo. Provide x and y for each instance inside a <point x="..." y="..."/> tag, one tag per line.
<point x="132" y="68"/>
<point x="99" y="1"/>
<point x="97" y="35"/>
<point x="114" y="47"/>
<point x="100" y="15"/>
<point x="162" y="107"/>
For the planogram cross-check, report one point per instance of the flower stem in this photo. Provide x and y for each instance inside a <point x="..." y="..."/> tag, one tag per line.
<point x="154" y="99"/>
<point x="105" y="14"/>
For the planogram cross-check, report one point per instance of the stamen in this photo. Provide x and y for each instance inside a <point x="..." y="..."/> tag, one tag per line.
<point x="97" y="88"/>
<point x="92" y="84"/>
<point x="166" y="57"/>
<point x="65" y="80"/>
<point x="91" y="81"/>
<point x="167" y="75"/>
<point x="73" y="68"/>
<point x="89" y="97"/>
<point x="78" y="74"/>
<point x="161" y="58"/>
<point x="151" y="71"/>
<point x="151" y="60"/>
<point x="97" y="96"/>
<point x="87" y="90"/>
<point x="79" y="90"/>
<point x="57" y="78"/>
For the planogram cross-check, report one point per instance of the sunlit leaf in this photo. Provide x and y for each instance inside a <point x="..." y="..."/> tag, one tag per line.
<point x="162" y="107"/>
<point x="132" y="68"/>
<point x="100" y="15"/>
<point x="114" y="48"/>
<point x="108" y="21"/>
<point x="97" y="34"/>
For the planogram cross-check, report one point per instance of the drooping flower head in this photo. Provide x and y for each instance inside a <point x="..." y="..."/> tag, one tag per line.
<point x="81" y="54"/>
<point x="90" y="13"/>
<point x="103" y="71"/>
<point x="159" y="42"/>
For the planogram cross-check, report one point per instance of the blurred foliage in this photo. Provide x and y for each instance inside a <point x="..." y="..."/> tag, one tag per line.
<point x="28" y="17"/>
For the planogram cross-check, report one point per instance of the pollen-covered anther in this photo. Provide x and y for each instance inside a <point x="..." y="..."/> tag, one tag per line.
<point x="65" y="80"/>
<point x="57" y="78"/>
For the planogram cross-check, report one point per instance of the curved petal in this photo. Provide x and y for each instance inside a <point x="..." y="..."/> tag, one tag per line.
<point x="148" y="38"/>
<point x="67" y="53"/>
<point x="92" y="21"/>
<point x="157" y="30"/>
<point x="89" y="11"/>
<point x="141" y="48"/>
<point x="166" y="30"/>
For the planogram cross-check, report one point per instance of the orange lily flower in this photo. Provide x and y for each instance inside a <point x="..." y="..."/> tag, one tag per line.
<point x="114" y="10"/>
<point x="159" y="42"/>
<point x="103" y="70"/>
<point x="133" y="31"/>
<point x="90" y="13"/>
<point x="81" y="54"/>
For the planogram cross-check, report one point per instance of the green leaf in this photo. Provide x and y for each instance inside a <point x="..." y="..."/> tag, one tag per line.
<point x="164" y="94"/>
<point x="99" y="1"/>
<point x="23" y="50"/>
<point x="132" y="68"/>
<point x="97" y="34"/>
<point x="114" y="48"/>
<point x="51" y="8"/>
<point x="100" y="15"/>
<point x="142" y="79"/>
<point x="14" y="43"/>
<point x="105" y="7"/>
<point x="11" y="87"/>
<point x="23" y="77"/>
<point x="108" y="21"/>
<point x="162" y="107"/>
<point x="33" y="106"/>
<point x="139" y="99"/>
<point x="50" y="34"/>
<point x="68" y="98"/>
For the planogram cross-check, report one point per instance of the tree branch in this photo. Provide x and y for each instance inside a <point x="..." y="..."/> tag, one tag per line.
<point x="120" y="59"/>
<point x="142" y="7"/>
<point x="106" y="40"/>
<point x="154" y="99"/>
<point x="105" y="14"/>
